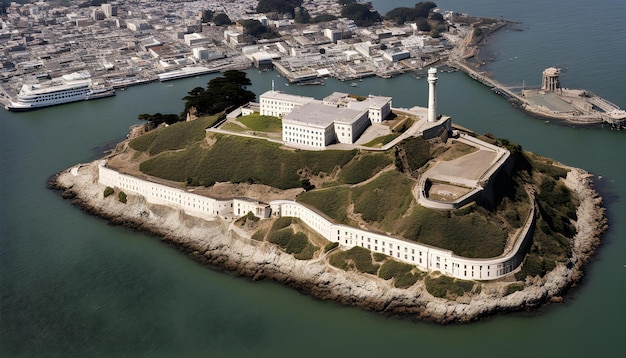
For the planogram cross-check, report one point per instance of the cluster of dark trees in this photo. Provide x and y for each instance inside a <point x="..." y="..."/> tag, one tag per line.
<point x="218" y="19"/>
<point x="279" y="6"/>
<point x="221" y="93"/>
<point x="293" y="9"/>
<point x="159" y="118"/>
<point x="257" y="30"/>
<point x="221" y="19"/>
<point x="363" y="15"/>
<point x="421" y="11"/>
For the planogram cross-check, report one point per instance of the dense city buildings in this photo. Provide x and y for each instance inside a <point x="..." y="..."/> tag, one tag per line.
<point x="124" y="43"/>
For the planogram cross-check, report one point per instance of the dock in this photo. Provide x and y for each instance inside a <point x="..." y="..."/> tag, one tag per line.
<point x="571" y="105"/>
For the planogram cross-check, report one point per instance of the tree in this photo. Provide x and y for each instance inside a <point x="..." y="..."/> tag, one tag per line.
<point x="280" y="6"/>
<point x="422" y="10"/>
<point x="362" y="15"/>
<point x="221" y="19"/>
<point x="324" y="18"/>
<point x="302" y="16"/>
<point x="207" y="15"/>
<point x="221" y="93"/>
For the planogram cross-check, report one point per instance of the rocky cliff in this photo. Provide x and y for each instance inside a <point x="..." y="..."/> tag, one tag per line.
<point x="211" y="242"/>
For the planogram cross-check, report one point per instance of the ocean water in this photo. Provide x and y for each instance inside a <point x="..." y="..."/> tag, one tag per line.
<point x="73" y="286"/>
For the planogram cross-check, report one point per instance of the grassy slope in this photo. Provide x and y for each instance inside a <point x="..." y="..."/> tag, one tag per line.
<point x="180" y="152"/>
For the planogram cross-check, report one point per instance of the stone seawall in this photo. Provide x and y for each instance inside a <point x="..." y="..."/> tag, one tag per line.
<point x="209" y="242"/>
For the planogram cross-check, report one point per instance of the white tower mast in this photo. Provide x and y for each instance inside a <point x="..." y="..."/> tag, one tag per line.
<point x="432" y="95"/>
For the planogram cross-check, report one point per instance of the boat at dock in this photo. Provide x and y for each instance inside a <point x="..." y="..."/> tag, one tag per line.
<point x="73" y="87"/>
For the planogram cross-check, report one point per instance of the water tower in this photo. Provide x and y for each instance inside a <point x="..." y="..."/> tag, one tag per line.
<point x="550" y="79"/>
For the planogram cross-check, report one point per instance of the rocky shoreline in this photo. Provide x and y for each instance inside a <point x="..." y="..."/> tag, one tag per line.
<point x="211" y="242"/>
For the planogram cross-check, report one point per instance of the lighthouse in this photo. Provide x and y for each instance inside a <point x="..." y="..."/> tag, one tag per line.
<point x="432" y="94"/>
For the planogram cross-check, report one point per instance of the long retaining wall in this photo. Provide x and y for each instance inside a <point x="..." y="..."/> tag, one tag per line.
<point x="425" y="257"/>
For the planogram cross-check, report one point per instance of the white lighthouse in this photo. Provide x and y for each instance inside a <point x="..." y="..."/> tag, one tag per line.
<point x="432" y="95"/>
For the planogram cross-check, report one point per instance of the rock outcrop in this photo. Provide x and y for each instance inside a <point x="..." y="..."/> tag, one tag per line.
<point x="212" y="243"/>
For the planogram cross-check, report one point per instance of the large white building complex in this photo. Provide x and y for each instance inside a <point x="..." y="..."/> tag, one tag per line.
<point x="342" y="118"/>
<point x="339" y="117"/>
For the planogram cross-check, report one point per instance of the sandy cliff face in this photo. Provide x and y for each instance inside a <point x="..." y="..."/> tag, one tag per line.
<point x="211" y="243"/>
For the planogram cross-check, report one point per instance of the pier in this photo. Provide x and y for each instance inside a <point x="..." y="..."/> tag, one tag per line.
<point x="571" y="105"/>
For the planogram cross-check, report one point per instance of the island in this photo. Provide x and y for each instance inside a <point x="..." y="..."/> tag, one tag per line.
<point x="350" y="199"/>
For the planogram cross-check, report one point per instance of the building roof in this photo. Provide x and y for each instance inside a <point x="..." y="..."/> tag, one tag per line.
<point x="287" y="97"/>
<point x="322" y="116"/>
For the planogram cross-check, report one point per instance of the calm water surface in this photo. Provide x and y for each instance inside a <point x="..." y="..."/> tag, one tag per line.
<point x="73" y="286"/>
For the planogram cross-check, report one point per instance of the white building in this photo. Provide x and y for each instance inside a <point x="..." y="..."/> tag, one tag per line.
<point x="203" y="53"/>
<point x="275" y="103"/>
<point x="338" y="118"/>
<point x="193" y="40"/>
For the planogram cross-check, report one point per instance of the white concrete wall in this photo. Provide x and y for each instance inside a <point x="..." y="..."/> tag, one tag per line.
<point x="425" y="257"/>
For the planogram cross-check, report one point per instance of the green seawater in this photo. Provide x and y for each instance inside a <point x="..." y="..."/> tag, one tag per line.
<point x="73" y="286"/>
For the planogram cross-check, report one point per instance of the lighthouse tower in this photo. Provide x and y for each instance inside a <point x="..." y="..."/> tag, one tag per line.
<point x="432" y="95"/>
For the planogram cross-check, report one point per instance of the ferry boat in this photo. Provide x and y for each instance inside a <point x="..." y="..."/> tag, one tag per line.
<point x="68" y="88"/>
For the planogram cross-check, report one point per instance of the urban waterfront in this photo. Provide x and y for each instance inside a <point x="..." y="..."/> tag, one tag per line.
<point x="71" y="285"/>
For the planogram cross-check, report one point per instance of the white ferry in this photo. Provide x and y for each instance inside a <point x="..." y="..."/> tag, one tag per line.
<point x="184" y="72"/>
<point x="68" y="88"/>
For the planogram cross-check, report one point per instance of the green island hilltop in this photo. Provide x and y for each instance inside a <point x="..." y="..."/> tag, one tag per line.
<point x="350" y="199"/>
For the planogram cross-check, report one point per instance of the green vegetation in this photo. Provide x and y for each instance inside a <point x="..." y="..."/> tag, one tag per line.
<point x="362" y="14"/>
<point x="221" y="93"/>
<point x="475" y="234"/>
<point x="280" y="6"/>
<point x="379" y="257"/>
<point x="108" y="191"/>
<point x="221" y="19"/>
<point x="331" y="246"/>
<point x="363" y="167"/>
<point x="281" y="223"/>
<point x="444" y="286"/>
<point x="257" y="30"/>
<point x="177" y="136"/>
<point x="259" y="123"/>
<point x="332" y="202"/>
<point x="401" y="272"/>
<point x="356" y="258"/>
<point x="378" y="142"/>
<point x="514" y="287"/>
<point x="254" y="161"/>
<point x="248" y="217"/>
<point x="158" y="118"/>
<point x="259" y="235"/>
<point x="297" y="243"/>
<point x="412" y="154"/>
<point x="324" y="18"/>
<point x="419" y="13"/>
<point x="384" y="199"/>
<point x="233" y="127"/>
<point x="122" y="197"/>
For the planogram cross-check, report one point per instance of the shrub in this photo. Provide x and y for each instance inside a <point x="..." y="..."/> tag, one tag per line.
<point x="331" y="246"/>
<point x="514" y="287"/>
<point x="533" y="266"/>
<point x="108" y="191"/>
<point x="357" y="257"/>
<point x="281" y="223"/>
<point x="363" y="168"/>
<point x="392" y="268"/>
<point x="378" y="257"/>
<point x="444" y="285"/>
<point x="406" y="279"/>
<point x="259" y="235"/>
<point x="297" y="244"/>
<point x="332" y="202"/>
<point x="122" y="197"/>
